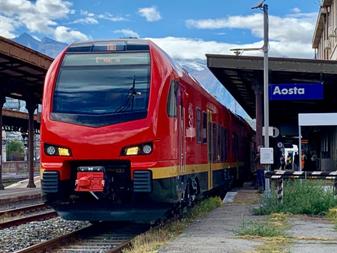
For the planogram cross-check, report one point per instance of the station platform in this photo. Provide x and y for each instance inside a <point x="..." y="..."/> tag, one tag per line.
<point x="218" y="231"/>
<point x="18" y="194"/>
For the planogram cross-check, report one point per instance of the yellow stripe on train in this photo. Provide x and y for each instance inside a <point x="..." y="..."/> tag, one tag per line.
<point x="174" y="171"/>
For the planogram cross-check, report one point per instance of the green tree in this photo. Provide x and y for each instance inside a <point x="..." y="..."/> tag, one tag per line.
<point x="15" y="150"/>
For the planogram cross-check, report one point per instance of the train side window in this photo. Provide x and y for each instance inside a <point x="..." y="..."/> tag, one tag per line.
<point x="221" y="144"/>
<point x="215" y="143"/>
<point x="225" y="141"/>
<point x="235" y="144"/>
<point x="198" y="125"/>
<point x="218" y="139"/>
<point x="172" y="100"/>
<point x="204" y="127"/>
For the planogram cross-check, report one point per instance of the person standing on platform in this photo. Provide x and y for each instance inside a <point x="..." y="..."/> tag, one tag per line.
<point x="304" y="163"/>
<point x="260" y="179"/>
<point x="296" y="161"/>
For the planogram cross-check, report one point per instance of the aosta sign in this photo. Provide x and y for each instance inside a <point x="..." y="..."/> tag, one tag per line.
<point x="296" y="91"/>
<point x="288" y="91"/>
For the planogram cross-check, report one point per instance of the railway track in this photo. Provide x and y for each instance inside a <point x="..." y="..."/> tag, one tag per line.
<point x="22" y="215"/>
<point x="105" y="237"/>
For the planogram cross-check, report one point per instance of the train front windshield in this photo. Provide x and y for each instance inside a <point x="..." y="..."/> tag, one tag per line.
<point x="102" y="89"/>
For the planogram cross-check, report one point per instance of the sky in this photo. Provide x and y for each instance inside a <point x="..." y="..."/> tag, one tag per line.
<point x="187" y="29"/>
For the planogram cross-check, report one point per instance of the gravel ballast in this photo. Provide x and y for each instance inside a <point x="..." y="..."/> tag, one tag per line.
<point x="16" y="238"/>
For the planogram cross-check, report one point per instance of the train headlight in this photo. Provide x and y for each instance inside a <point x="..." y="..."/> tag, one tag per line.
<point x="132" y="151"/>
<point x="147" y="149"/>
<point x="64" y="151"/>
<point x="53" y="150"/>
<point x="142" y="149"/>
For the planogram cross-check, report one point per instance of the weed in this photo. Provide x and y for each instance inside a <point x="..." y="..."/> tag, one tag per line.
<point x="300" y="197"/>
<point x="259" y="229"/>
<point x="271" y="231"/>
<point x="151" y="240"/>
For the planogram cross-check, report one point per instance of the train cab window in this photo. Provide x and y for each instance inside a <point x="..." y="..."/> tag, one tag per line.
<point x="172" y="100"/>
<point x="198" y="125"/>
<point x="98" y="89"/>
<point x="204" y="127"/>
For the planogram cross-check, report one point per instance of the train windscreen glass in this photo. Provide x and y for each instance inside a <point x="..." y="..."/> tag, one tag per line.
<point x="102" y="89"/>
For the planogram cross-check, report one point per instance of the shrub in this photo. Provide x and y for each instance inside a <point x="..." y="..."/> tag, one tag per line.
<point x="15" y="150"/>
<point x="300" y="197"/>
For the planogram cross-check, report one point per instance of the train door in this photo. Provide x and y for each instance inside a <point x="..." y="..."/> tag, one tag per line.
<point x="181" y="130"/>
<point x="210" y="146"/>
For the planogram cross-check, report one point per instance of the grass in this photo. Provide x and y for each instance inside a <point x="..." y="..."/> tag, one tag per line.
<point x="300" y="197"/>
<point x="151" y="240"/>
<point x="271" y="231"/>
<point x="332" y="216"/>
<point x="255" y="228"/>
<point x="274" y="226"/>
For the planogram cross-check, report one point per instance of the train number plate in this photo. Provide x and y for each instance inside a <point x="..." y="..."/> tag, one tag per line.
<point x="90" y="168"/>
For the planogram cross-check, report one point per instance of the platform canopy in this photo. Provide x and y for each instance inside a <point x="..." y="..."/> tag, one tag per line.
<point x="22" y="73"/>
<point x="241" y="75"/>
<point x="22" y="70"/>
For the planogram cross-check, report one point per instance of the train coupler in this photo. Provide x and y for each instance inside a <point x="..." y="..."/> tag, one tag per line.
<point x="90" y="179"/>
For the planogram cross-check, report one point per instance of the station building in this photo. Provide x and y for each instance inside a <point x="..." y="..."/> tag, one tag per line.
<point x="325" y="44"/>
<point x="325" y="35"/>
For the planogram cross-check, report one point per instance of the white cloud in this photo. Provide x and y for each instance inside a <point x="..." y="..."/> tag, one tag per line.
<point x="7" y="27"/>
<point x="295" y="27"/>
<point x="86" y="20"/>
<point x="53" y="8"/>
<point x="151" y="14"/>
<point x="65" y="34"/>
<point x="296" y="10"/>
<point x="127" y="33"/>
<point x="195" y="49"/>
<point x="41" y="16"/>
<point x="111" y="17"/>
<point x="92" y="18"/>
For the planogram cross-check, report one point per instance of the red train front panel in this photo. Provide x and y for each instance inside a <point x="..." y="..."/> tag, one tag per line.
<point x="127" y="132"/>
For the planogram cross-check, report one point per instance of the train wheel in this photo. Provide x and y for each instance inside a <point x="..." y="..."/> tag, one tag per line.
<point x="191" y="192"/>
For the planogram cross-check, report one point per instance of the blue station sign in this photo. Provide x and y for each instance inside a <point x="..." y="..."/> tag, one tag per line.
<point x="296" y="91"/>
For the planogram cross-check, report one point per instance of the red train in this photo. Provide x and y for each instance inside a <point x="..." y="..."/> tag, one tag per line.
<point x="127" y="133"/>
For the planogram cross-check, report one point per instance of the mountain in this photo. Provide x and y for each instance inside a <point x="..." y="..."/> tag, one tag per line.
<point x="46" y="45"/>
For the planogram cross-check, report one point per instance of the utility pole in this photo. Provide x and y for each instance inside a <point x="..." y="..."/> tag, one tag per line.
<point x="264" y="7"/>
<point x="266" y="76"/>
<point x="266" y="84"/>
<point x="238" y="51"/>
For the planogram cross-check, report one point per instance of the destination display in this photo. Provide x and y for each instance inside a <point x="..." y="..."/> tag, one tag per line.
<point x="296" y="91"/>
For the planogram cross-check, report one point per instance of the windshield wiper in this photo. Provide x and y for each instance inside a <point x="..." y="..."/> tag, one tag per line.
<point x="131" y="97"/>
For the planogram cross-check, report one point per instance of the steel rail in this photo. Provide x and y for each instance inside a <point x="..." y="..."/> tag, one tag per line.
<point x="92" y="238"/>
<point x="48" y="214"/>
<point x="17" y="211"/>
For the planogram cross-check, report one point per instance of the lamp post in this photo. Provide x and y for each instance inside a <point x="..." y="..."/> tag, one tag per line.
<point x="266" y="84"/>
<point x="264" y="7"/>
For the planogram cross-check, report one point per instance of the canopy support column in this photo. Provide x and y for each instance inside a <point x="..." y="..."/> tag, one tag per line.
<point x="258" y="115"/>
<point x="2" y="101"/>
<point x="31" y="106"/>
